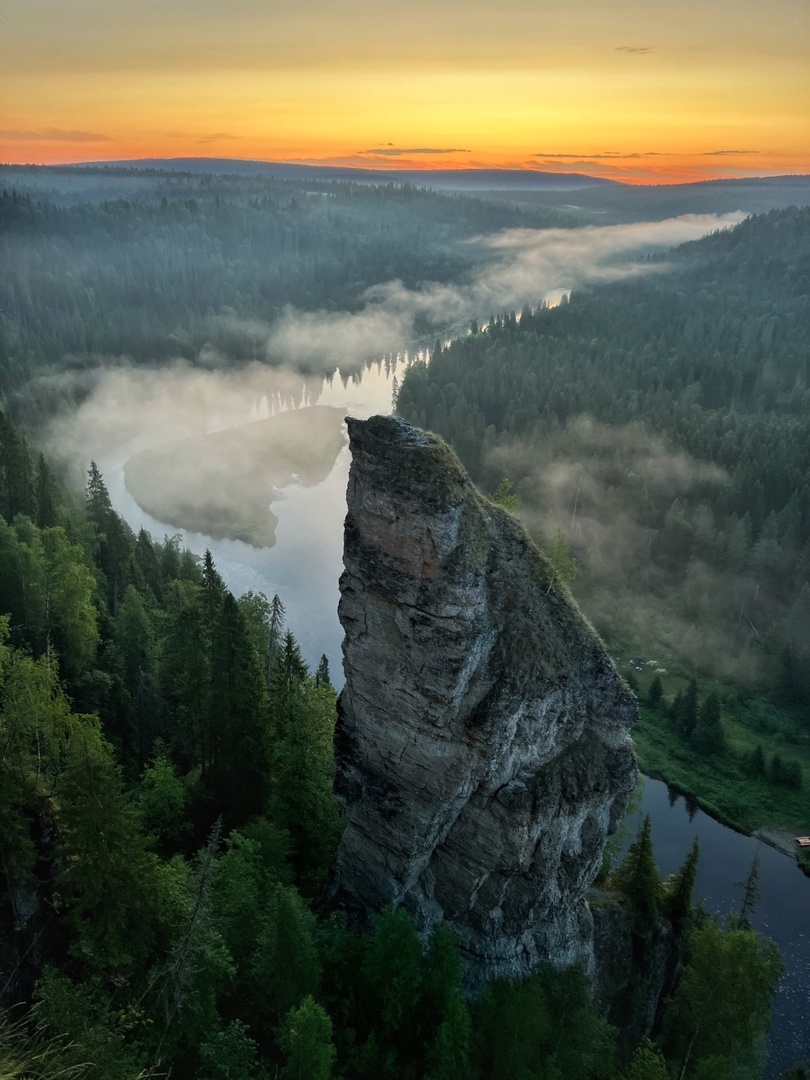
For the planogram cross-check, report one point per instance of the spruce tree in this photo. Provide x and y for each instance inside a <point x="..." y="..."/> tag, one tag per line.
<point x="638" y="876"/>
<point x="655" y="693"/>
<point x="681" y="886"/>
<point x="238" y="729"/>
<point x="46" y="496"/>
<point x="756" y="762"/>
<point x="322" y="673"/>
<point x="708" y="733"/>
<point x="687" y="714"/>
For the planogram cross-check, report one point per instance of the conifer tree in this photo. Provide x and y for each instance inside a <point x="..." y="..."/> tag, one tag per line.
<point x="322" y="673"/>
<point x="756" y="762"/>
<point x="277" y="614"/>
<point x="46" y="496"/>
<point x="638" y="876"/>
<point x="286" y="680"/>
<point x="655" y="693"/>
<point x="238" y="729"/>
<point x="285" y="966"/>
<point x="708" y="732"/>
<point x="681" y="886"/>
<point x="687" y="713"/>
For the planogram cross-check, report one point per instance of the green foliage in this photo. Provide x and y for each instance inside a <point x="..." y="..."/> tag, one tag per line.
<point x="36" y="727"/>
<point x="638" y="877"/>
<point x="733" y="786"/>
<point x="185" y="986"/>
<point x="285" y="967"/>
<point x="26" y="1055"/>
<point x="108" y="879"/>
<point x="393" y="975"/>
<point x="47" y="589"/>
<point x="544" y="1026"/>
<point x="322" y="674"/>
<point x="647" y="1063"/>
<point x="558" y="554"/>
<point x="655" y="693"/>
<point x="678" y="889"/>
<point x="756" y="762"/>
<point x="721" y="1008"/>
<point x="697" y="538"/>
<point x="303" y="771"/>
<point x="506" y="496"/>
<point x="307" y="1041"/>
<point x="229" y="1054"/>
<point x="448" y="1057"/>
<point x="162" y="800"/>
<point x="95" y="1033"/>
<point x="708" y="733"/>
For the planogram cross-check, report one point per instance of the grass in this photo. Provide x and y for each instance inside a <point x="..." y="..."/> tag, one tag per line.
<point x="719" y="782"/>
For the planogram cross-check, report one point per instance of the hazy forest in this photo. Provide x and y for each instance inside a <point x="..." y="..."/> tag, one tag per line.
<point x="167" y="825"/>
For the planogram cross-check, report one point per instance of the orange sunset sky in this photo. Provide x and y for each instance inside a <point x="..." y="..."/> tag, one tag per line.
<point x="640" y="90"/>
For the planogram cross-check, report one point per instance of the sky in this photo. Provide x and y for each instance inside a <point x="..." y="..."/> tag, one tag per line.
<point x="637" y="90"/>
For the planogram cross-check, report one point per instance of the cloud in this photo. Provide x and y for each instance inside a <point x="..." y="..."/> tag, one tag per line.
<point x="608" y="155"/>
<point x="613" y="491"/>
<point x="726" y="153"/>
<point x="54" y="135"/>
<point x="638" y="50"/>
<point x="516" y="267"/>
<point x="216" y="136"/>
<point x="396" y="151"/>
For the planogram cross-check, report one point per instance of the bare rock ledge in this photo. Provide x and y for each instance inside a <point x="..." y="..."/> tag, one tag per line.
<point x="483" y="754"/>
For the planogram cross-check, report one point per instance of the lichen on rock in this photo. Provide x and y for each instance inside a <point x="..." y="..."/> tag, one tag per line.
<point x="482" y="745"/>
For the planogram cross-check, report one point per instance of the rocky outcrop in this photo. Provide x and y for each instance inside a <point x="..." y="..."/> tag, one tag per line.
<point x="482" y="744"/>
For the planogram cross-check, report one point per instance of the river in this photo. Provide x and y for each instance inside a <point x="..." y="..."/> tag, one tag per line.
<point x="782" y="913"/>
<point x="303" y="568"/>
<point x="305" y="563"/>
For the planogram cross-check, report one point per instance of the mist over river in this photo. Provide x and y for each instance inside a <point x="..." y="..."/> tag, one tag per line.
<point x="304" y="567"/>
<point x="305" y="563"/>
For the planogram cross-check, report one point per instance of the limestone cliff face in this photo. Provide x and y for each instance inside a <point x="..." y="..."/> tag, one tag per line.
<point x="482" y="745"/>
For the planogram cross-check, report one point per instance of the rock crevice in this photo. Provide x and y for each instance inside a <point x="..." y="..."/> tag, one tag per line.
<point x="482" y="745"/>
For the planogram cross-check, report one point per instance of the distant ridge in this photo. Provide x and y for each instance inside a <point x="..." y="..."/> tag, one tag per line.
<point x="454" y="179"/>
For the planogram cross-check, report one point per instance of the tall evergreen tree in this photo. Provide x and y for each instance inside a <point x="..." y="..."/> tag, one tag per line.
<point x="687" y="714"/>
<point x="655" y="693"/>
<point x="679" y="890"/>
<point x="238" y="731"/>
<point x="708" y="733"/>
<point x="638" y="877"/>
<point x="322" y="672"/>
<point x="47" y="497"/>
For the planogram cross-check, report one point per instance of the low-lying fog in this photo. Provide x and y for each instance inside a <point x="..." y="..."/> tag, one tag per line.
<point x="153" y="427"/>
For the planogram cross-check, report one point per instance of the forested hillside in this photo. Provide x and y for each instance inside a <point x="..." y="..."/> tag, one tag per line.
<point x="659" y="428"/>
<point x="166" y="836"/>
<point x="167" y="826"/>
<point x="188" y="262"/>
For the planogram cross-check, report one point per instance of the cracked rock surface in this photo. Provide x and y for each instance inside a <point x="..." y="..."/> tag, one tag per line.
<point x="482" y="745"/>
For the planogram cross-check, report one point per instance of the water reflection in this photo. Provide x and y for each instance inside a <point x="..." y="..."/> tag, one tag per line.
<point x="304" y="568"/>
<point x="306" y="562"/>
<point x="783" y="911"/>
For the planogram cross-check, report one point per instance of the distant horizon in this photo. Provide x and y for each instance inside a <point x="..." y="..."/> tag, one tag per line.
<point x="400" y="169"/>
<point x="621" y="90"/>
